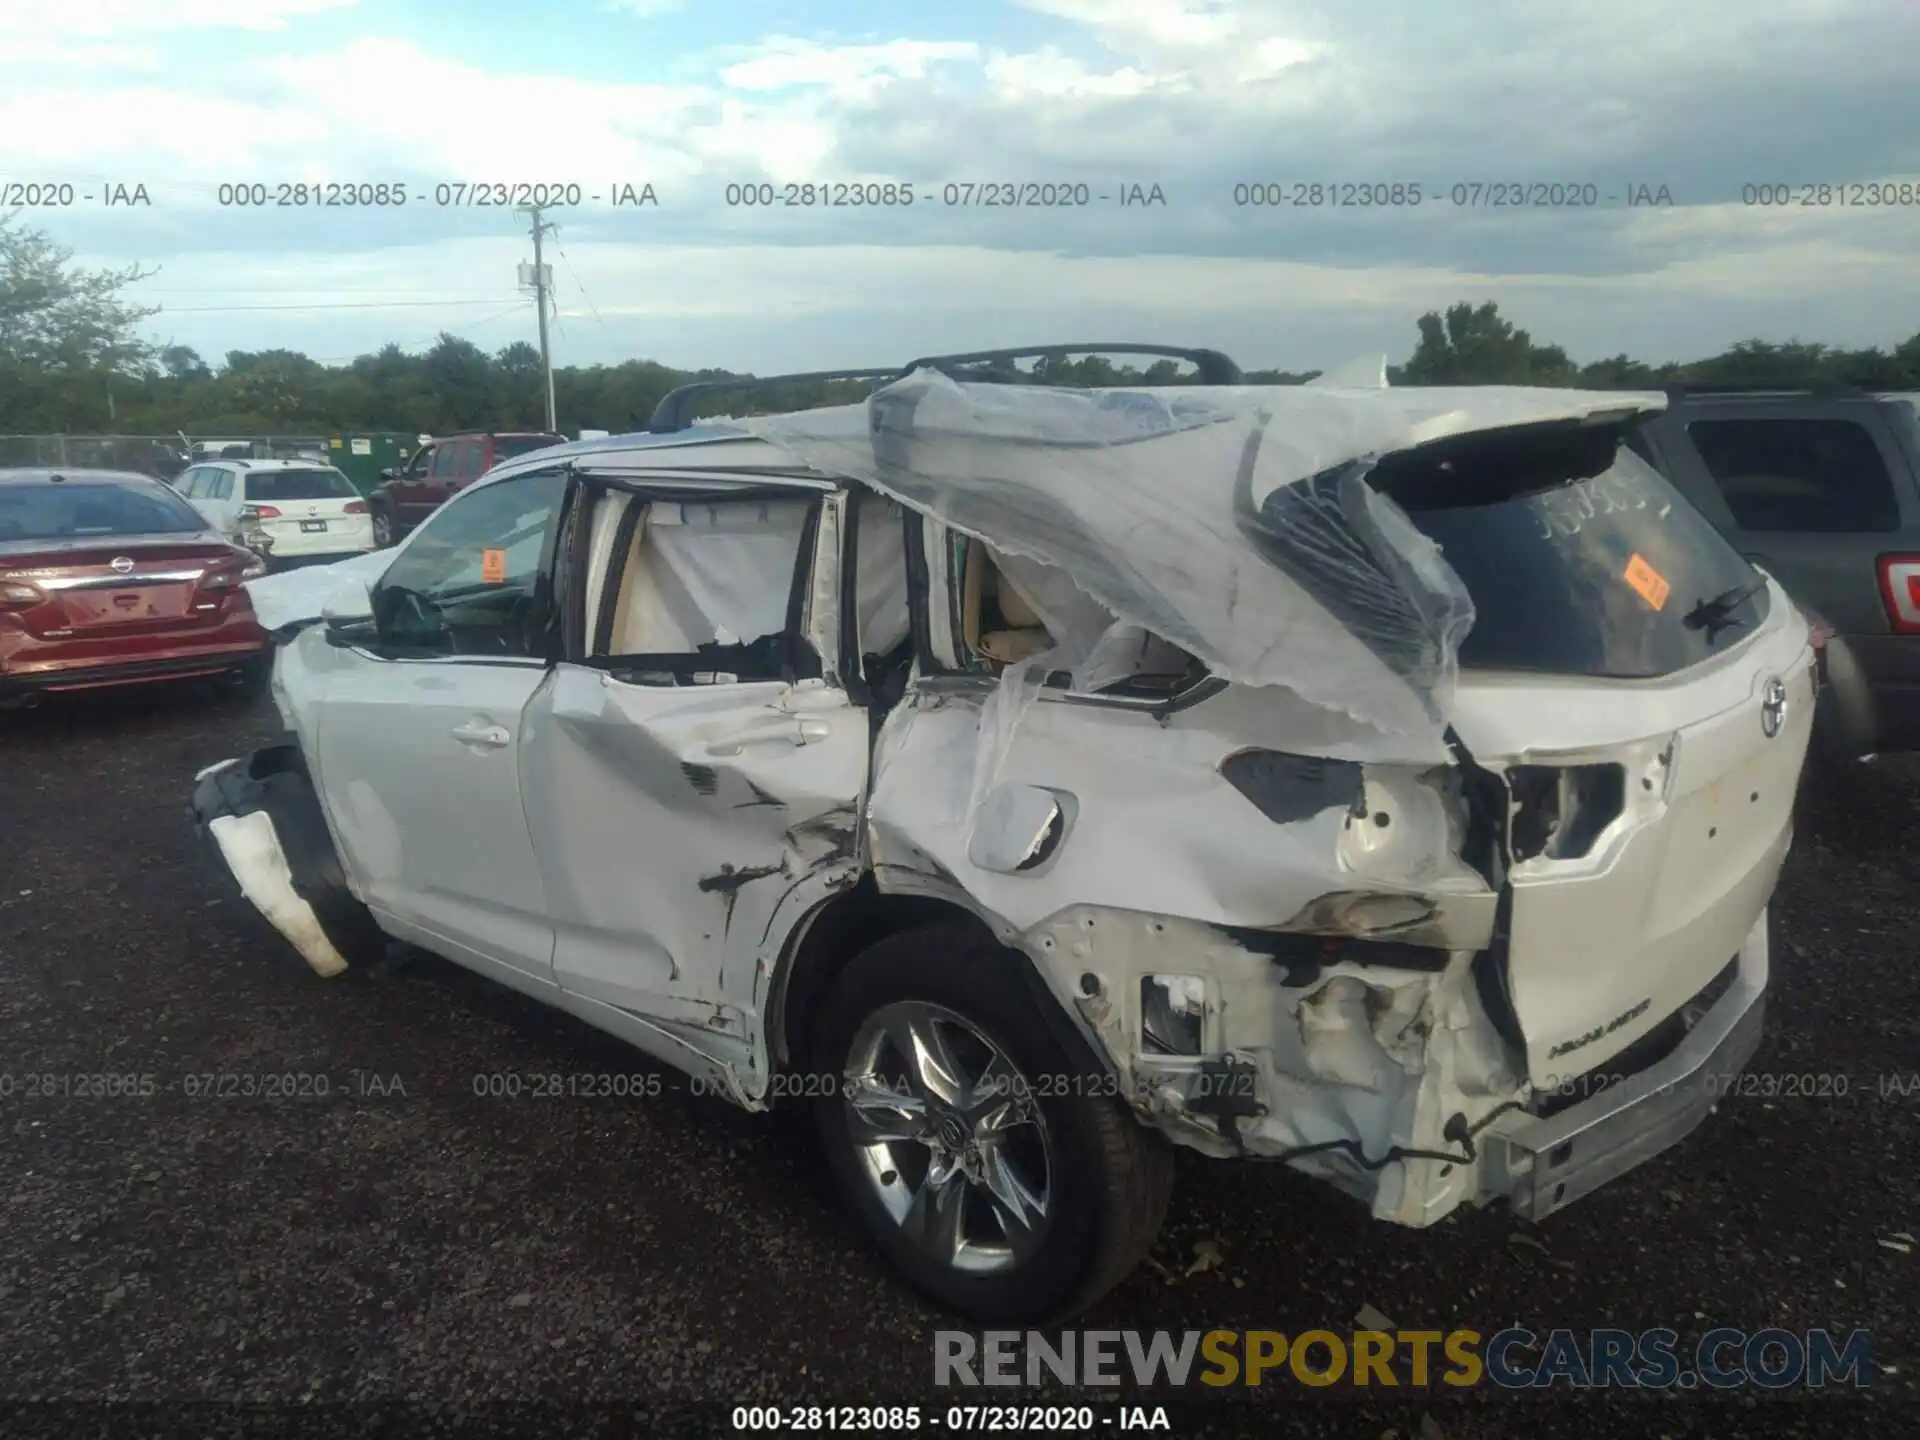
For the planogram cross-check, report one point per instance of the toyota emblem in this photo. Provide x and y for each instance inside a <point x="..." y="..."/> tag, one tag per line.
<point x="121" y="564"/>
<point x="1773" y="707"/>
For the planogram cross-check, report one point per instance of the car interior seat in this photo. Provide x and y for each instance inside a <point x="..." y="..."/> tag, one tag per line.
<point x="997" y="622"/>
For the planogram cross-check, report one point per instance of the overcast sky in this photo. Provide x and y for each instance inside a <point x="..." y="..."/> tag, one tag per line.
<point x="1704" y="98"/>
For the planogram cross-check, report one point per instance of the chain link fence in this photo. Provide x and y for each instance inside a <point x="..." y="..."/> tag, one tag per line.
<point x="165" y="456"/>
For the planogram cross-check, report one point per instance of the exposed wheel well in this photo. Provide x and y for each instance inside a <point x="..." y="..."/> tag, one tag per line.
<point x="849" y="924"/>
<point x="843" y="927"/>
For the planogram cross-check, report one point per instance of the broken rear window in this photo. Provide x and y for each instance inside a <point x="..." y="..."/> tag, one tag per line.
<point x="1581" y="558"/>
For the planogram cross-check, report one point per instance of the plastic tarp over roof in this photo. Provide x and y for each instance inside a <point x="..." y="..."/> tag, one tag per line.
<point x="1181" y="510"/>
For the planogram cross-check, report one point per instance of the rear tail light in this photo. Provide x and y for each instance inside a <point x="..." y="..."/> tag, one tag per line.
<point x="356" y="507"/>
<point x="259" y="512"/>
<point x="15" y="595"/>
<point x="227" y="580"/>
<point x="1900" y="592"/>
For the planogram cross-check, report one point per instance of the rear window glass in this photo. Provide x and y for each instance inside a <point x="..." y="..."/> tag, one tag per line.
<point x="1799" y="475"/>
<point x="1581" y="558"/>
<point x="506" y="447"/>
<point x="317" y="484"/>
<point x="75" y="509"/>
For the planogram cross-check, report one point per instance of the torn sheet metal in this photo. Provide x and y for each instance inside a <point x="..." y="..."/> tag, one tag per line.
<point x="1344" y="1071"/>
<point x="294" y="596"/>
<point x="1181" y="511"/>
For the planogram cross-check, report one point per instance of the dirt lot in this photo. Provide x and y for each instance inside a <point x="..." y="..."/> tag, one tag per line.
<point x="403" y="1240"/>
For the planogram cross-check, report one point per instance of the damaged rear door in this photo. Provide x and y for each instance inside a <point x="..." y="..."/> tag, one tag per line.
<point x="696" y="764"/>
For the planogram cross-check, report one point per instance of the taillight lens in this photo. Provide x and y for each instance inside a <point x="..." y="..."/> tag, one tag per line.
<point x="1900" y="592"/>
<point x="233" y="576"/>
<point x="259" y="512"/>
<point x="17" y="595"/>
<point x="356" y="507"/>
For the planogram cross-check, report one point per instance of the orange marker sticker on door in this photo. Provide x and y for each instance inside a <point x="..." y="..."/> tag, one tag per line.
<point x="1647" y="582"/>
<point x="493" y="567"/>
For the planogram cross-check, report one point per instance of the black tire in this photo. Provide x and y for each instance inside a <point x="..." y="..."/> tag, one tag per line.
<point x="384" y="532"/>
<point x="1110" y="1177"/>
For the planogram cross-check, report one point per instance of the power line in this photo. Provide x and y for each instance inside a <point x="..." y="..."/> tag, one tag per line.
<point x="593" y="309"/>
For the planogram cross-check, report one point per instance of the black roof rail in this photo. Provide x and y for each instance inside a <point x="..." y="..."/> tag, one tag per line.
<point x="675" y="410"/>
<point x="1687" y="390"/>
<point x="1214" y="367"/>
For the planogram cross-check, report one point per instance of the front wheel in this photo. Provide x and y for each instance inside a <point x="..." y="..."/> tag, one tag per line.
<point x="995" y="1170"/>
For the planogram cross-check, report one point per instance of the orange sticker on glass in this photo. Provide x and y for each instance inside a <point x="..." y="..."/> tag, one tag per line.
<point x="1648" y="582"/>
<point x="493" y="567"/>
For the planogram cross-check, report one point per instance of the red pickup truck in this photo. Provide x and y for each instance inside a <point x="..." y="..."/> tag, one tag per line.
<point x="438" y="469"/>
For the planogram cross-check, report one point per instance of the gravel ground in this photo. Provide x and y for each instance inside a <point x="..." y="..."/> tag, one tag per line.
<point x="402" y="1241"/>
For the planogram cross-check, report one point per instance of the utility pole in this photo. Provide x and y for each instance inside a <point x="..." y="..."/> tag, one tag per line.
<point x="542" y="287"/>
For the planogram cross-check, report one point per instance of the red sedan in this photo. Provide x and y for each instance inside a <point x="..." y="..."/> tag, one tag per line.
<point x="111" y="579"/>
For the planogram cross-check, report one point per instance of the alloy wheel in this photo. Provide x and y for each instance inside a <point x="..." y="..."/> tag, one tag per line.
<point x="949" y="1136"/>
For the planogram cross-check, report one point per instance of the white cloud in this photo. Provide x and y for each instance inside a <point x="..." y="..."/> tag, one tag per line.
<point x="42" y="54"/>
<point x="852" y="72"/>
<point x="104" y="19"/>
<point x="1189" y="93"/>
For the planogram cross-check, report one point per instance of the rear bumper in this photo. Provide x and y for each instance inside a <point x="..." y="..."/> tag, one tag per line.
<point x="129" y="672"/>
<point x="1543" y="1165"/>
<point x="339" y="540"/>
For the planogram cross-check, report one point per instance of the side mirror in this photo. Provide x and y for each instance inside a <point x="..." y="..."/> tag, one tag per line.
<point x="350" y="604"/>
<point x="386" y="474"/>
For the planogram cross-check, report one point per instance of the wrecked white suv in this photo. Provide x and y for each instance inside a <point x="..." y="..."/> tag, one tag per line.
<point x="1387" y="781"/>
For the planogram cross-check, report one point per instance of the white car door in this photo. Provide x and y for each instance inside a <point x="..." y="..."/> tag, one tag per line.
<point x="224" y="493"/>
<point x="194" y="487"/>
<point x="419" y="731"/>
<point x="696" y="769"/>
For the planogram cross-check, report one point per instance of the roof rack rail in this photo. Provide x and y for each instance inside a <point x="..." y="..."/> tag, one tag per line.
<point x="1688" y="390"/>
<point x="675" y="410"/>
<point x="1214" y="367"/>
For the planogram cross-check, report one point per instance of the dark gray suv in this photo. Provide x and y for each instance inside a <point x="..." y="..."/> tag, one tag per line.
<point x="1822" y="489"/>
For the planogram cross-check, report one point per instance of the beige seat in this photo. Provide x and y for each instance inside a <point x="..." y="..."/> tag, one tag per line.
<point x="996" y="622"/>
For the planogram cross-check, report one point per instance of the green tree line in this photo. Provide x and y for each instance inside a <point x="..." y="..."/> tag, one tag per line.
<point x="70" y="363"/>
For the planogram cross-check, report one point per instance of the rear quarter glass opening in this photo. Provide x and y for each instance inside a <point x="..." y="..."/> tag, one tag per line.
<point x="1581" y="558"/>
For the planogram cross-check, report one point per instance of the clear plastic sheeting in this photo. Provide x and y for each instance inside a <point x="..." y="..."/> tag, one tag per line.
<point x="1186" y="512"/>
<point x="293" y="596"/>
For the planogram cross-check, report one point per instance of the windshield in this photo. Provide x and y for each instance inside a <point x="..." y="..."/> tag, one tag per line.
<point x="75" y="509"/>
<point x="1581" y="558"/>
<point x="316" y="484"/>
